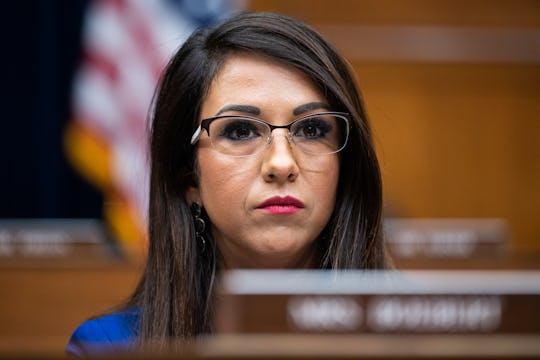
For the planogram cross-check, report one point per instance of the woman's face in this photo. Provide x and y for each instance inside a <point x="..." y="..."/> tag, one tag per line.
<point x="267" y="209"/>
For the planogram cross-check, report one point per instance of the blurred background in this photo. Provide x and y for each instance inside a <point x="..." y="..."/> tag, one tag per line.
<point x="452" y="89"/>
<point x="42" y="50"/>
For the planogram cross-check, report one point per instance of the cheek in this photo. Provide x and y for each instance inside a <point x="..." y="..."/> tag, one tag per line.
<point x="329" y="187"/>
<point x="324" y="178"/>
<point x="223" y="182"/>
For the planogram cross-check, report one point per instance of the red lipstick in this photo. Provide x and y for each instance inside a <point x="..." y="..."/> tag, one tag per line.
<point x="281" y="205"/>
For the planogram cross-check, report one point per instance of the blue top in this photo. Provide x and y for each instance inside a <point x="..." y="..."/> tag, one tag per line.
<point x="105" y="335"/>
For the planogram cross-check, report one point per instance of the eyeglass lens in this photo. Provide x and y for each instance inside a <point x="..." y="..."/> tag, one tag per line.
<point x="317" y="134"/>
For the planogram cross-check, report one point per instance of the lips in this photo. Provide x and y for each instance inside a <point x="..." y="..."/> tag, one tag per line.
<point x="281" y="205"/>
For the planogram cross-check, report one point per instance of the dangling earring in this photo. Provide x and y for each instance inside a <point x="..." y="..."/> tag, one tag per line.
<point x="200" y="225"/>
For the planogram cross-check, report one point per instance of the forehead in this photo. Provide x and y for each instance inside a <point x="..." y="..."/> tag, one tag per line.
<point x="244" y="65"/>
<point x="251" y="79"/>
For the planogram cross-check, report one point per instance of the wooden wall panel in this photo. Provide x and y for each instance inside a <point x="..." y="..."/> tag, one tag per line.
<point x="420" y="12"/>
<point x="458" y="141"/>
<point x="457" y="137"/>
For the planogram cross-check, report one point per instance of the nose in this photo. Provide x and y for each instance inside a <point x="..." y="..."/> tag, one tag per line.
<point x="280" y="163"/>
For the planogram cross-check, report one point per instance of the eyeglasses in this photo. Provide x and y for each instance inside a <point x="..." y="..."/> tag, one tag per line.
<point x="319" y="134"/>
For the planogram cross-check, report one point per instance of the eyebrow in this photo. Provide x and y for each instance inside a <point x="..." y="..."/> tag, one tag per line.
<point x="253" y="110"/>
<point x="310" y="106"/>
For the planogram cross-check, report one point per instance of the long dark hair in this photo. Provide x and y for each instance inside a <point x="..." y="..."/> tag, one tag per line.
<point x="174" y="295"/>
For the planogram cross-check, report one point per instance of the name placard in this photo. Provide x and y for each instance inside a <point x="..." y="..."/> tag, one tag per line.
<point x="415" y="302"/>
<point x="446" y="238"/>
<point x="38" y="240"/>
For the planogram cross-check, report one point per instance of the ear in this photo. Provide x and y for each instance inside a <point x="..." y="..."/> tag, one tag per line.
<point x="193" y="195"/>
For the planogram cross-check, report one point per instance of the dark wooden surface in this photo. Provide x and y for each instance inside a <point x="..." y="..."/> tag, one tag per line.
<point x="42" y="304"/>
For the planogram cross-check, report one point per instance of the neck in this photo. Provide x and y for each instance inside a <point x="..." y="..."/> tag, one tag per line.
<point x="309" y="259"/>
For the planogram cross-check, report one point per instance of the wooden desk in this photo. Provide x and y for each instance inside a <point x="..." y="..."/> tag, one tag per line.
<point x="41" y="305"/>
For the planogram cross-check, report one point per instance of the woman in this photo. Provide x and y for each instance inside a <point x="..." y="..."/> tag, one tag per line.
<point x="261" y="157"/>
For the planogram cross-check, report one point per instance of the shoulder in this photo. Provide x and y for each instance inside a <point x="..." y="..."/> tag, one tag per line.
<point x="108" y="334"/>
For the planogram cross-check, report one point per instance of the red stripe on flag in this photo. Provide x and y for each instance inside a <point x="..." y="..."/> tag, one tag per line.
<point x="107" y="66"/>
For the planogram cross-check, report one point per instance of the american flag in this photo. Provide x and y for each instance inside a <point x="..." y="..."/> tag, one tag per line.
<point x="126" y="44"/>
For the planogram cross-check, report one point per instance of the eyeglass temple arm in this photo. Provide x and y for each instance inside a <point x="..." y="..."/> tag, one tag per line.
<point x="196" y="135"/>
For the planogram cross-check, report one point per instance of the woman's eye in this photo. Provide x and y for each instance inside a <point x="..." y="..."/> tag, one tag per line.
<point x="313" y="129"/>
<point x="239" y="130"/>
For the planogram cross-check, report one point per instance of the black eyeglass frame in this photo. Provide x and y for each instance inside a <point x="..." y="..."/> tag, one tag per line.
<point x="205" y="124"/>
